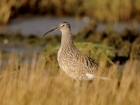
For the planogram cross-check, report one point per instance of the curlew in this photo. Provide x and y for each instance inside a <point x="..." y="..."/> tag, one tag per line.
<point x="72" y="61"/>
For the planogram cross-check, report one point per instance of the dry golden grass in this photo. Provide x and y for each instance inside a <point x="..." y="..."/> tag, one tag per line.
<point x="33" y="85"/>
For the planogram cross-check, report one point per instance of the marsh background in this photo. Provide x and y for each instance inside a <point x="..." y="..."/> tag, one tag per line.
<point x="108" y="31"/>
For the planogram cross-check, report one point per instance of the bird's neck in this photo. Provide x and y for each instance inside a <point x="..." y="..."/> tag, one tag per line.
<point x="66" y="40"/>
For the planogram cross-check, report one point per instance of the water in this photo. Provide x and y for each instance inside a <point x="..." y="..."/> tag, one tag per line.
<point x="118" y="27"/>
<point x="39" y="25"/>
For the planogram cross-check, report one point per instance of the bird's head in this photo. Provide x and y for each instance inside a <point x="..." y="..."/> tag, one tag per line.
<point x="63" y="27"/>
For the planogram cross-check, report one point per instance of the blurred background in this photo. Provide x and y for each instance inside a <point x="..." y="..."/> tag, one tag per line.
<point x="101" y="11"/>
<point x="114" y="23"/>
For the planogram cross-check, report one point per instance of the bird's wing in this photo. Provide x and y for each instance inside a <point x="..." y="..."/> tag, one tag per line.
<point x="84" y="63"/>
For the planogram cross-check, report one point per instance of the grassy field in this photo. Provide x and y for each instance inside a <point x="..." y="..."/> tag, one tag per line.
<point x="31" y="84"/>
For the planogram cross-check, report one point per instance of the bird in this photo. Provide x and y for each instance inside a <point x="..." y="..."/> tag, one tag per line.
<point x="72" y="61"/>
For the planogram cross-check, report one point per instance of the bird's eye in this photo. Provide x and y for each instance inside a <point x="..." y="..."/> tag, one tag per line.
<point x="63" y="25"/>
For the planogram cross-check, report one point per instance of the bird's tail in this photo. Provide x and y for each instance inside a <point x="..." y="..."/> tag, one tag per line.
<point x="103" y="78"/>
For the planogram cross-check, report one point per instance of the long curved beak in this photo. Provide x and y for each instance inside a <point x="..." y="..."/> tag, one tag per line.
<point x="57" y="28"/>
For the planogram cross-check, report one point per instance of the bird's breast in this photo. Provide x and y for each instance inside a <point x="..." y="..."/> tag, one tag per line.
<point x="58" y="55"/>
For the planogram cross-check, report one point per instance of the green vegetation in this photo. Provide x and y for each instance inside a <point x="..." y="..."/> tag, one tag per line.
<point x="110" y="11"/>
<point x="111" y="44"/>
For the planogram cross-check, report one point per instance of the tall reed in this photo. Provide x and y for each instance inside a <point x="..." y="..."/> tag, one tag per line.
<point x="32" y="84"/>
